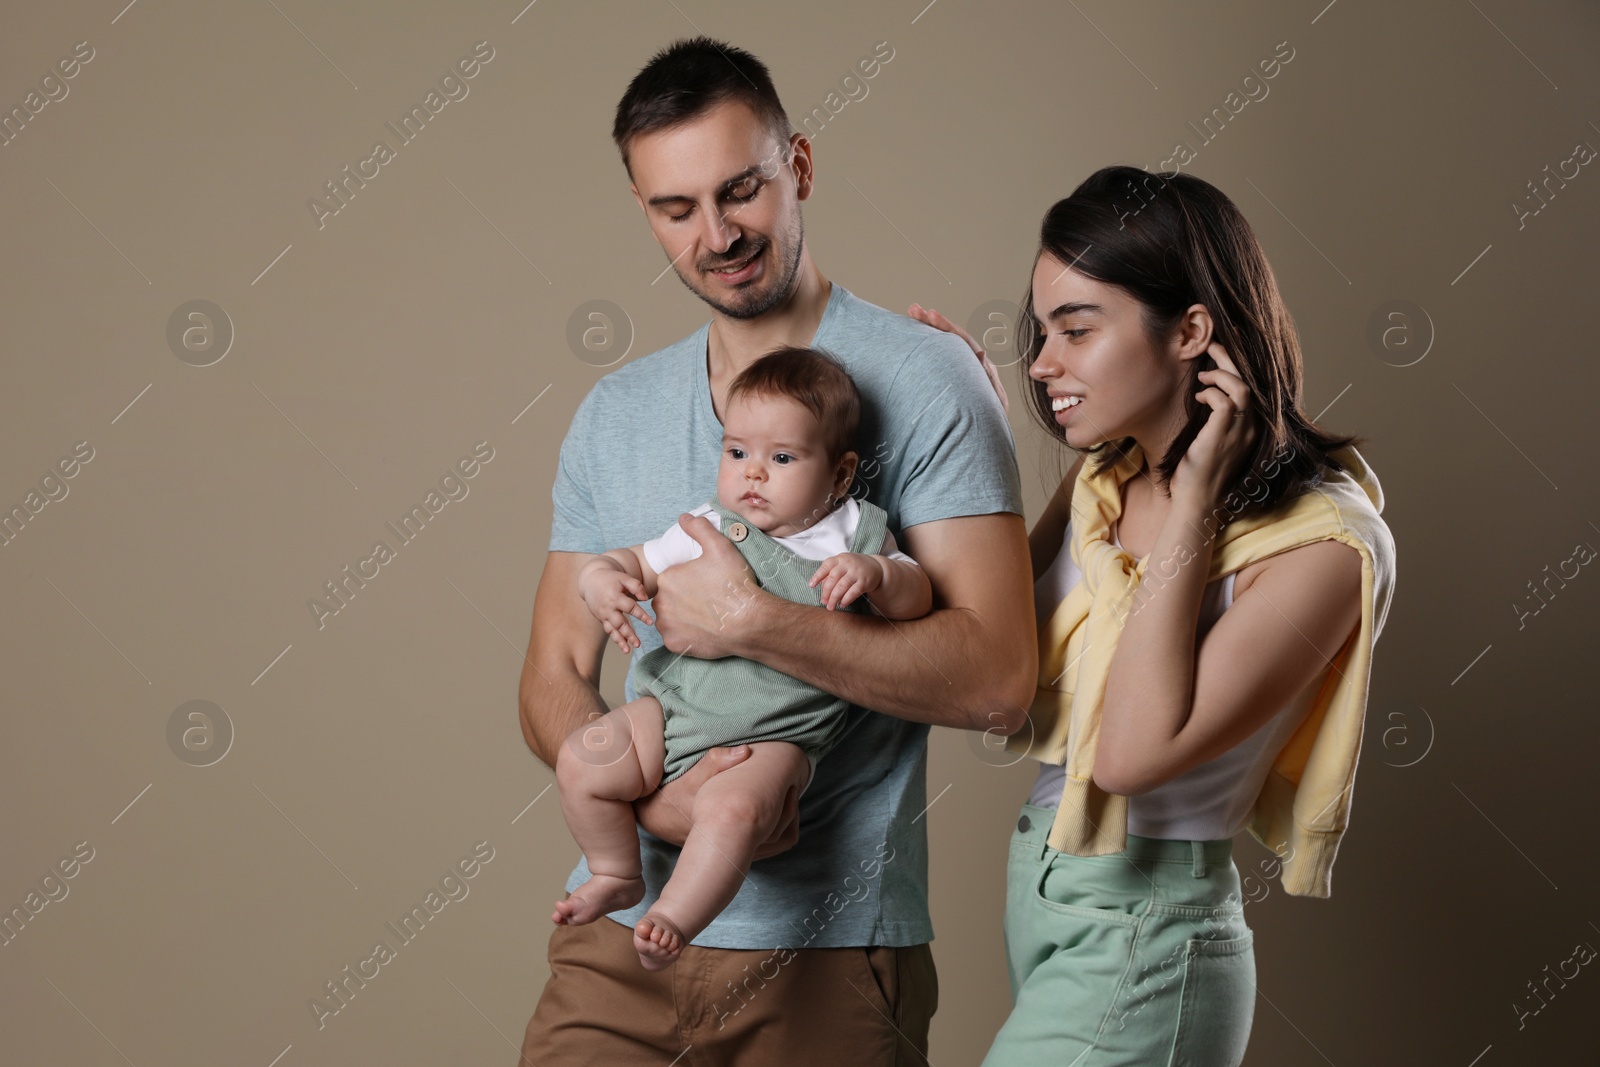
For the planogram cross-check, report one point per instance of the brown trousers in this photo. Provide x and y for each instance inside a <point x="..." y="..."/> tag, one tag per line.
<point x="722" y="1006"/>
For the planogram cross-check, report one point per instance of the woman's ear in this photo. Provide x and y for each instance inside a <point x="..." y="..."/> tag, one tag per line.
<point x="1193" y="333"/>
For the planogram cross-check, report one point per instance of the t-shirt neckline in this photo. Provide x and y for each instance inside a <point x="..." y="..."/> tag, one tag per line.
<point x="702" y="346"/>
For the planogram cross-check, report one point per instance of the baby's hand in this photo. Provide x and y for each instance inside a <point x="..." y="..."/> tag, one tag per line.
<point x="611" y="595"/>
<point x="847" y="576"/>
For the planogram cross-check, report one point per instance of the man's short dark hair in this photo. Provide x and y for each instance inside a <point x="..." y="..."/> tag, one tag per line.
<point x="687" y="79"/>
<point x="813" y="379"/>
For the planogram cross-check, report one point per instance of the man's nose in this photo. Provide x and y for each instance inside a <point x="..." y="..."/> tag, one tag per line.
<point x="720" y="234"/>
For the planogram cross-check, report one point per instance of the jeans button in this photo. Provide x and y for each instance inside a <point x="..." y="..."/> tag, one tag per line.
<point x="1024" y="824"/>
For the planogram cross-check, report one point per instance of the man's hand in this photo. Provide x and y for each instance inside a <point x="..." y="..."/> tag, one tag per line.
<point x="666" y="812"/>
<point x="846" y="576"/>
<point x="698" y="603"/>
<point x="611" y="595"/>
<point x="939" y="322"/>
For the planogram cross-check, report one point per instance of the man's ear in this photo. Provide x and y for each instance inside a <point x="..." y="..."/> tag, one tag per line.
<point x="637" y="199"/>
<point x="805" y="176"/>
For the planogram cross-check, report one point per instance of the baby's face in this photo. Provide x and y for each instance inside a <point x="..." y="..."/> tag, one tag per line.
<point x="775" y="470"/>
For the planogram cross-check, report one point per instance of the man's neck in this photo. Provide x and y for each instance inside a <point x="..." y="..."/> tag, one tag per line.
<point x="734" y="344"/>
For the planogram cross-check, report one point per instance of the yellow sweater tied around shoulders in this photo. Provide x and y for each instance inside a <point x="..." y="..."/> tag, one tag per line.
<point x="1304" y="805"/>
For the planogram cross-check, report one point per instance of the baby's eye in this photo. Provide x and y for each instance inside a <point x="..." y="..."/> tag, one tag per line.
<point x="782" y="458"/>
<point x="736" y="453"/>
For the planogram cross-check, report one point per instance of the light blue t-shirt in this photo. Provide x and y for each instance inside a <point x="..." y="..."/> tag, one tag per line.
<point x="934" y="444"/>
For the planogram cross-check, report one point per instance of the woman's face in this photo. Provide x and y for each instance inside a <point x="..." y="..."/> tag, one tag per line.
<point x="1096" y="349"/>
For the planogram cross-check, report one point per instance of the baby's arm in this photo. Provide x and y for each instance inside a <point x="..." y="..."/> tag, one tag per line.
<point x="612" y="584"/>
<point x="898" y="588"/>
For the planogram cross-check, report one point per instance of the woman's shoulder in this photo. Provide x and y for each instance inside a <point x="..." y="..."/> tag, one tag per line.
<point x="1329" y="567"/>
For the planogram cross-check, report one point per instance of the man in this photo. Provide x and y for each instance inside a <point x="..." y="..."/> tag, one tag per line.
<point x="823" y="956"/>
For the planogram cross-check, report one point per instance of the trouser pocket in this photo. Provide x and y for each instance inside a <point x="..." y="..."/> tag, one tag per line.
<point x="1218" y="1002"/>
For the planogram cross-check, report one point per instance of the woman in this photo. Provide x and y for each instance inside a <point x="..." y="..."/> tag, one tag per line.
<point x="1209" y="580"/>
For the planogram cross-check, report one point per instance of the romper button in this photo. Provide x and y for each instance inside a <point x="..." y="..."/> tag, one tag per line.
<point x="738" y="531"/>
<point x="1024" y="824"/>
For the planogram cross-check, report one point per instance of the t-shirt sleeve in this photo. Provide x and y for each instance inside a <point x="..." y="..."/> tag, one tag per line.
<point x="574" y="520"/>
<point x="674" y="546"/>
<point x="959" y="456"/>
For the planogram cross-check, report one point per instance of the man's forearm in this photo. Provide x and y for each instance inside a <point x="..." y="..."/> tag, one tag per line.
<point x="946" y="668"/>
<point x="552" y="709"/>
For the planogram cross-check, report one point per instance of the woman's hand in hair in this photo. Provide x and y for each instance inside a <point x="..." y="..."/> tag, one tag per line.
<point x="1210" y="466"/>
<point x="939" y="322"/>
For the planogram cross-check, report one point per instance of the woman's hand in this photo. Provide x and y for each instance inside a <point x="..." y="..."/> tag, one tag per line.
<point x="939" y="322"/>
<point x="1210" y="464"/>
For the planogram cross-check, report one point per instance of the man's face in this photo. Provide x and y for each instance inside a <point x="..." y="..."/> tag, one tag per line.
<point x="720" y="192"/>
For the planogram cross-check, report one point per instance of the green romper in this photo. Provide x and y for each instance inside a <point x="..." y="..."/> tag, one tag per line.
<point x="707" y="703"/>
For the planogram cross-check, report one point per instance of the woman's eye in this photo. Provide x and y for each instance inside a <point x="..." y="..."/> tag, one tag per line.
<point x="1074" y="333"/>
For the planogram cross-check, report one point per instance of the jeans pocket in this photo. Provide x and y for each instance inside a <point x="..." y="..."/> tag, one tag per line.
<point x="1218" y="1002"/>
<point x="1084" y="888"/>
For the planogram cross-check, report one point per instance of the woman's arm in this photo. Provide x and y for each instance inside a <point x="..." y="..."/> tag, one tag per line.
<point x="1044" y="540"/>
<point x="1167" y="710"/>
<point x="1169" y="707"/>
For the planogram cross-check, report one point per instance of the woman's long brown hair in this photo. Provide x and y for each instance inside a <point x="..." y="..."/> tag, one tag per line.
<point x="1171" y="241"/>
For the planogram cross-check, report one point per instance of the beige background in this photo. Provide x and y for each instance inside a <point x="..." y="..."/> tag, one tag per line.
<point x="371" y="754"/>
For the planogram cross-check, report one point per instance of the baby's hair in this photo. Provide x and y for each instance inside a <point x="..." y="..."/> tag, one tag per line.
<point x="813" y="379"/>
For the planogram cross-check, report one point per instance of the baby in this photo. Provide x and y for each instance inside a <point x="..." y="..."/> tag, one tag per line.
<point x="783" y="500"/>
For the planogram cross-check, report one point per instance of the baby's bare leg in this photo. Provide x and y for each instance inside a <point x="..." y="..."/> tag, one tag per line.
<point x="733" y="813"/>
<point x="603" y="767"/>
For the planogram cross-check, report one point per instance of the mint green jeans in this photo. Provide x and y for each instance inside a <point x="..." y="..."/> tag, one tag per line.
<point x="1140" y="959"/>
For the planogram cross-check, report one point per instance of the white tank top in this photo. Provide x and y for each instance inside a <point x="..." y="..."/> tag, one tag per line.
<point x="1209" y="801"/>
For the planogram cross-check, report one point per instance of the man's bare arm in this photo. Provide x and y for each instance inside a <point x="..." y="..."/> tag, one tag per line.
<point x="971" y="664"/>
<point x="560" y="686"/>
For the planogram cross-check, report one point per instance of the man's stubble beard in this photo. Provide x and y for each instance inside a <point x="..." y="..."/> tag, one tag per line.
<point x="774" y="296"/>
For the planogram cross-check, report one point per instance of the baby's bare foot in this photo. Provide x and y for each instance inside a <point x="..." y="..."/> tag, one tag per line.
<point x="658" y="942"/>
<point x="600" y="895"/>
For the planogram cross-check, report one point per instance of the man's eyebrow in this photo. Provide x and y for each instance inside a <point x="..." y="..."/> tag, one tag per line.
<point x="1075" y="307"/>
<point x="754" y="170"/>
